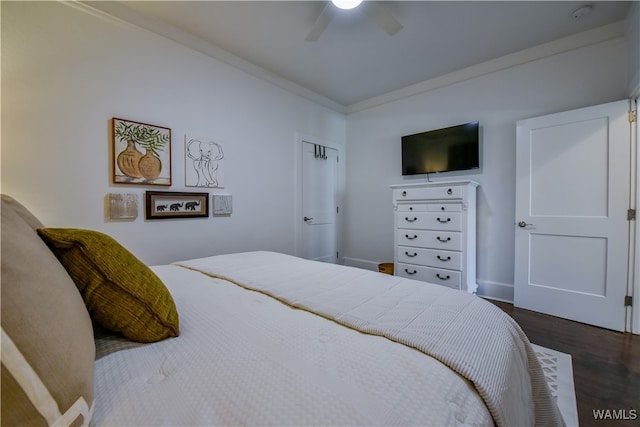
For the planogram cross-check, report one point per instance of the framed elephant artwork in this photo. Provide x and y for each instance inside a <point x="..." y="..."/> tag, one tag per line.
<point x="203" y="160"/>
<point x="141" y="153"/>
<point x="173" y="204"/>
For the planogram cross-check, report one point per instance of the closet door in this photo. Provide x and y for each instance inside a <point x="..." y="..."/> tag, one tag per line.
<point x="319" y="202"/>
<point x="572" y="196"/>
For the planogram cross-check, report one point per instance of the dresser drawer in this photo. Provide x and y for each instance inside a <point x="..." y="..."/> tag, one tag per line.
<point x="430" y="220"/>
<point x="439" y="276"/>
<point x="440" y="192"/>
<point x="430" y="257"/>
<point x="449" y="240"/>
<point x="429" y="207"/>
<point x="410" y="207"/>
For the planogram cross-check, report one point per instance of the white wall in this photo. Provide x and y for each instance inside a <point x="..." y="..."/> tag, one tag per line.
<point x="633" y="37"/>
<point x="577" y="78"/>
<point x="65" y="73"/>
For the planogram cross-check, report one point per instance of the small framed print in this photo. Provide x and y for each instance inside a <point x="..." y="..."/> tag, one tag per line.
<point x="222" y="204"/>
<point x="122" y="206"/>
<point x="173" y="204"/>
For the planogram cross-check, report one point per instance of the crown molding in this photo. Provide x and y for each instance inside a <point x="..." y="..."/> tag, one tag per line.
<point x="598" y="35"/>
<point x="115" y="11"/>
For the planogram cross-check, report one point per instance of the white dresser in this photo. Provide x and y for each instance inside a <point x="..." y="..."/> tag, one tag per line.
<point x="435" y="233"/>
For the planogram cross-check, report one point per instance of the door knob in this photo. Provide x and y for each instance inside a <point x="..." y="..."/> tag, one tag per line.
<point x="307" y="219"/>
<point x="523" y="224"/>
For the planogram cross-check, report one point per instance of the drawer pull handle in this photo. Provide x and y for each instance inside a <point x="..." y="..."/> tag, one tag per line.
<point x="441" y="258"/>
<point x="443" y="221"/>
<point x="449" y="191"/>
<point x="441" y="239"/>
<point x="447" y="277"/>
<point x="406" y="270"/>
<point x="409" y="219"/>
<point x="404" y="193"/>
<point x="415" y="236"/>
<point x="410" y="255"/>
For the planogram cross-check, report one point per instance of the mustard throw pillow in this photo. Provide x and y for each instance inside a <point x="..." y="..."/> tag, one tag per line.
<point x="121" y="293"/>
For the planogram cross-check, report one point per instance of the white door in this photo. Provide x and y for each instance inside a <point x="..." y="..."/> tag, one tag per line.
<point x="319" y="202"/>
<point x="572" y="196"/>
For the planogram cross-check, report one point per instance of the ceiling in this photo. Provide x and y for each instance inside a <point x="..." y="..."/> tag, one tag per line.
<point x="355" y="59"/>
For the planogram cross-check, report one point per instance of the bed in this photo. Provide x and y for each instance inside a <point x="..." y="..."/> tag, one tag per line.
<point x="91" y="336"/>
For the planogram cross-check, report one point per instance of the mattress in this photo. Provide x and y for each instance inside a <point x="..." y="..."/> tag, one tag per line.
<point x="251" y="354"/>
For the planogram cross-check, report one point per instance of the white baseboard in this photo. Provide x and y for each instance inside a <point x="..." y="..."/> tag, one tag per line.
<point x="360" y="263"/>
<point x="495" y="290"/>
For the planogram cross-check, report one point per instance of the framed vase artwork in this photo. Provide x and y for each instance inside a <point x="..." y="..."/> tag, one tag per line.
<point x="203" y="163"/>
<point x="141" y="153"/>
<point x="175" y="204"/>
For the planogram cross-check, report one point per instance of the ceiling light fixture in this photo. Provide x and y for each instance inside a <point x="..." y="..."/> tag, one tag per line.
<point x="346" y="4"/>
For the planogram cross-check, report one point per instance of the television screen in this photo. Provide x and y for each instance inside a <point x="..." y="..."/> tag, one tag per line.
<point x="441" y="150"/>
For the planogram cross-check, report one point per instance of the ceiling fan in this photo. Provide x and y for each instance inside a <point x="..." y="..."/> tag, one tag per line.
<point x="374" y="9"/>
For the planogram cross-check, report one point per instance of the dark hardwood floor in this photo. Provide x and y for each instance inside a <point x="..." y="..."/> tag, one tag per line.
<point x="606" y="364"/>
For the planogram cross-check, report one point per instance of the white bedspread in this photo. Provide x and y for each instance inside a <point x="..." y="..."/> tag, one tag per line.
<point x="469" y="335"/>
<point x="243" y="358"/>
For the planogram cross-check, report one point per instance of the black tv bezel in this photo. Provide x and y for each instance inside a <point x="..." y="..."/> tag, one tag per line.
<point x="434" y="131"/>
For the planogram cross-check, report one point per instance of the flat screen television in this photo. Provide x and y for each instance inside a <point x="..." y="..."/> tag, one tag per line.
<point x="442" y="150"/>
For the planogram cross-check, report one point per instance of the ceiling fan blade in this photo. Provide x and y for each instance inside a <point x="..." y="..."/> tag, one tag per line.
<point x="382" y="16"/>
<point x="321" y="23"/>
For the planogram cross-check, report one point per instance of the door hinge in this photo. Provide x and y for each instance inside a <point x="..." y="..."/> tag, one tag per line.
<point x="628" y="301"/>
<point x="633" y="116"/>
<point x="631" y="214"/>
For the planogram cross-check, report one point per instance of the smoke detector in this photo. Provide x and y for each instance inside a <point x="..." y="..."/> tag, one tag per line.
<point x="582" y="12"/>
